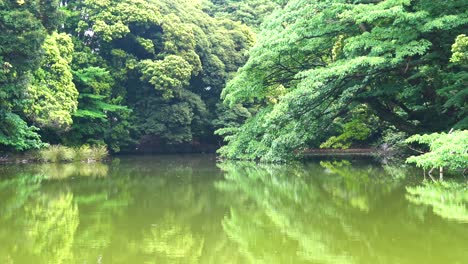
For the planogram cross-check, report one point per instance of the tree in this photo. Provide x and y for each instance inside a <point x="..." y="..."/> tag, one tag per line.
<point x="314" y="64"/>
<point x="249" y="12"/>
<point x="52" y="96"/>
<point x="446" y="150"/>
<point x="24" y="26"/>
<point x="169" y="75"/>
<point x="168" y="61"/>
<point x="101" y="117"/>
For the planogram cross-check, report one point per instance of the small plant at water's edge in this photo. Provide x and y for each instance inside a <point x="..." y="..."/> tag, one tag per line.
<point x="99" y="152"/>
<point x="58" y="153"/>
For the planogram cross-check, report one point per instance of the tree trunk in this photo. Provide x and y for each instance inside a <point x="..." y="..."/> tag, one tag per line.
<point x="387" y="115"/>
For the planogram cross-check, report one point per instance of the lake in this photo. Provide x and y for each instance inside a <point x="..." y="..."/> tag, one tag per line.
<point x="191" y="209"/>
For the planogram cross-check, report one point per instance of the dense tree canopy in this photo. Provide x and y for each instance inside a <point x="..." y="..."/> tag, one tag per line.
<point x="317" y="62"/>
<point x="115" y="72"/>
<point x="330" y="74"/>
<point x="52" y="93"/>
<point x="24" y="26"/>
<point x="168" y="61"/>
<point x="250" y="12"/>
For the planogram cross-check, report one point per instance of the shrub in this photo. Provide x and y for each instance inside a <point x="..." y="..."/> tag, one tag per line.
<point x="57" y="153"/>
<point x="99" y="152"/>
<point x="83" y="153"/>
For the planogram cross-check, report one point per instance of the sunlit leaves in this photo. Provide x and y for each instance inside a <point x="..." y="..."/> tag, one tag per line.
<point x="52" y="93"/>
<point x="332" y="56"/>
<point x="168" y="75"/>
<point x="167" y="60"/>
<point x="445" y="150"/>
<point x="460" y="50"/>
<point x="24" y="26"/>
<point x="111" y="19"/>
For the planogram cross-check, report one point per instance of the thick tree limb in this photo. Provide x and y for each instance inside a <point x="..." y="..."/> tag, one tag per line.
<point x="386" y="114"/>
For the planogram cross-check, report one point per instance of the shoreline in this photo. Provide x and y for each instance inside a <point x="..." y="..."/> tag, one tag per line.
<point x="340" y="152"/>
<point x="29" y="158"/>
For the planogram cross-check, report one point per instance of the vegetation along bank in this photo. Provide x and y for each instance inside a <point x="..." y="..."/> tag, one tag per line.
<point x="262" y="80"/>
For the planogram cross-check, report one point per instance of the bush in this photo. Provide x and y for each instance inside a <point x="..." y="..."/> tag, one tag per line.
<point x="83" y="153"/>
<point x="99" y="152"/>
<point x="391" y="145"/>
<point x="58" y="153"/>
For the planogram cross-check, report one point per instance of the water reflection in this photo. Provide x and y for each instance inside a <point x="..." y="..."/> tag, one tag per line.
<point x="174" y="240"/>
<point x="51" y="227"/>
<point x="188" y="210"/>
<point x="332" y="213"/>
<point x="447" y="199"/>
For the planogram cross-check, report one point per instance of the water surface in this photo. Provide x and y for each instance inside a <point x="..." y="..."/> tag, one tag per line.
<point x="190" y="209"/>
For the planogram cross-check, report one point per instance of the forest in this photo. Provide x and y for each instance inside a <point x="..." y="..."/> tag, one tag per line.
<point x="234" y="131"/>
<point x="258" y="79"/>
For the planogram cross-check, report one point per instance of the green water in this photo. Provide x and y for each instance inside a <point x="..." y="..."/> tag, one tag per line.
<point x="189" y="209"/>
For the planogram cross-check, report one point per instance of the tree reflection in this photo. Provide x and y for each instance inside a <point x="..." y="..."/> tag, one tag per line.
<point x="332" y="213"/>
<point x="157" y="211"/>
<point x="187" y="211"/>
<point x="51" y="227"/>
<point x="76" y="169"/>
<point x="15" y="192"/>
<point x="280" y="215"/>
<point x="173" y="241"/>
<point x="447" y="199"/>
<point x="361" y="186"/>
<point x="43" y="209"/>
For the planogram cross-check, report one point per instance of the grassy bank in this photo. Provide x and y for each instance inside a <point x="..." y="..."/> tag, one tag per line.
<point x="58" y="154"/>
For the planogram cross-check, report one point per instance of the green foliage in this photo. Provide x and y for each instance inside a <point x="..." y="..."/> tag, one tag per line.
<point x="331" y="57"/>
<point x="58" y="153"/>
<point x="167" y="61"/>
<point x="169" y="75"/>
<point x="91" y="79"/>
<point x="99" y="152"/>
<point x="102" y="117"/>
<point x="111" y="19"/>
<point x="16" y="135"/>
<point x="246" y="142"/>
<point x="119" y="71"/>
<point x="52" y="96"/>
<point x="230" y="116"/>
<point x="249" y="12"/>
<point x="23" y="27"/>
<point x="456" y="91"/>
<point x="357" y="129"/>
<point x="460" y="50"/>
<point x="100" y="120"/>
<point x="392" y="142"/>
<point x="445" y="150"/>
<point x="174" y="120"/>
<point x="353" y="130"/>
